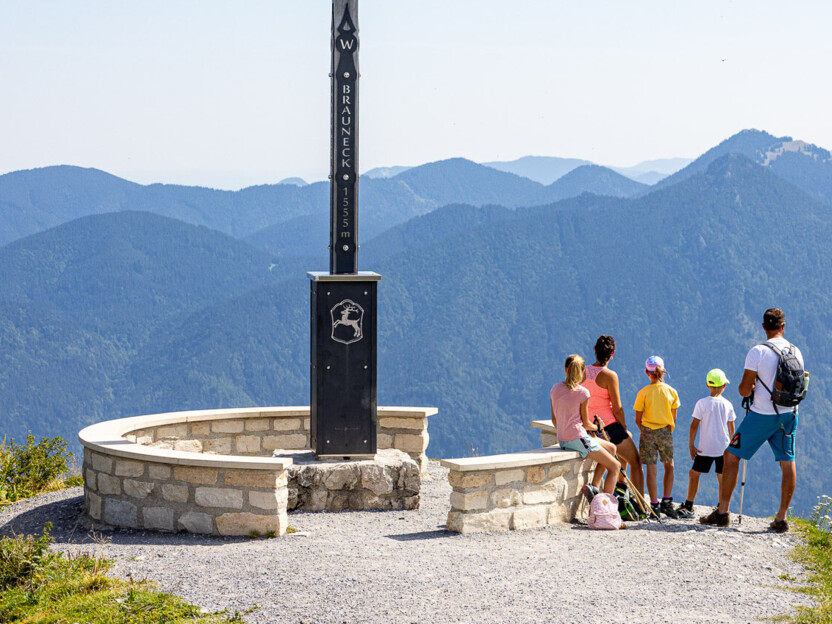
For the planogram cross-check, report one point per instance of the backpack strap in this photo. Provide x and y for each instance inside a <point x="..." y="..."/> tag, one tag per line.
<point x="779" y="355"/>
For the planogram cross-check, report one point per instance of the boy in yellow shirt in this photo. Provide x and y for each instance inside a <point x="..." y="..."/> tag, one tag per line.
<point x="655" y="406"/>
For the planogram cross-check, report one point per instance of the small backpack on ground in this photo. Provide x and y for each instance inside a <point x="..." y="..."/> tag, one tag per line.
<point x="603" y="512"/>
<point x="789" y="381"/>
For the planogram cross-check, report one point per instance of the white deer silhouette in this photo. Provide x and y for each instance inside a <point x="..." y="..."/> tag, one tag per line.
<point x="345" y="320"/>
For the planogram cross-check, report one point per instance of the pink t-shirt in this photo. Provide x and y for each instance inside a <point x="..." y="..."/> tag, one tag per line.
<point x="566" y="406"/>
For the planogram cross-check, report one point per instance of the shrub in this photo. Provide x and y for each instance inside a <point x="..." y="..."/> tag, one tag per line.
<point x="24" y="558"/>
<point x="31" y="468"/>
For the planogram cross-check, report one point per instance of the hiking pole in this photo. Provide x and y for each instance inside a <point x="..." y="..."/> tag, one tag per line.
<point x="639" y="496"/>
<point x="742" y="488"/>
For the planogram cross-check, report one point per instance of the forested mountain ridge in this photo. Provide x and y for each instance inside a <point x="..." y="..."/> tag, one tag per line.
<point x="478" y="306"/>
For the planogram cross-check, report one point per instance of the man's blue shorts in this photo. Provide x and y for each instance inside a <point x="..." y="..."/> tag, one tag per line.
<point x="778" y="431"/>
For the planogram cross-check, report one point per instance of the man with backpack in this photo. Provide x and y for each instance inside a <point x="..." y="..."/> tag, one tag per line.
<point x="774" y="381"/>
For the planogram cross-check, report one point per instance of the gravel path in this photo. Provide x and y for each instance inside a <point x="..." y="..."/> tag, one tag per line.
<point x="403" y="567"/>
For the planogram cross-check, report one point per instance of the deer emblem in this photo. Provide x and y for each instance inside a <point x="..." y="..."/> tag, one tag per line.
<point x="351" y="317"/>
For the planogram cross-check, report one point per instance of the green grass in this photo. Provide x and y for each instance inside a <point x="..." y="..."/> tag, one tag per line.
<point x="815" y="553"/>
<point x="32" y="468"/>
<point x="44" y="587"/>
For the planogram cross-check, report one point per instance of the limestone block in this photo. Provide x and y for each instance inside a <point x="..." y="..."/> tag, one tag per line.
<point x="195" y="522"/>
<point x="246" y="523"/>
<point x="175" y="493"/>
<point x="316" y="500"/>
<point x="138" y="489"/>
<point x="548" y="439"/>
<point x="411" y="442"/>
<point x="307" y="424"/>
<point x="194" y="474"/>
<point x="158" y="471"/>
<point x="218" y="497"/>
<point x="227" y="426"/>
<point x="572" y="486"/>
<point x="558" y="470"/>
<point x="411" y="502"/>
<point x="145" y="440"/>
<point x="530" y="517"/>
<point x="286" y="441"/>
<point x="535" y="474"/>
<point x="89" y="479"/>
<point x="264" y="500"/>
<point x="465" y="480"/>
<point x="255" y="478"/>
<point x="94" y="505"/>
<point x="166" y="445"/>
<point x="384" y="441"/>
<point x="420" y="424"/>
<point x="559" y="513"/>
<point x="217" y="445"/>
<point x="200" y="428"/>
<point x="494" y="520"/>
<point x="159" y="518"/>
<point x="502" y="477"/>
<point x="469" y="501"/>
<point x="188" y="446"/>
<point x="376" y="478"/>
<point x="247" y="444"/>
<point x="506" y="497"/>
<point x="108" y="484"/>
<point x="422" y="461"/>
<point x="412" y="478"/>
<point x="120" y="513"/>
<point x="257" y="424"/>
<point x="87" y="455"/>
<point x="129" y="468"/>
<point x="307" y="476"/>
<point x="130" y="437"/>
<point x="287" y="424"/>
<point x="172" y="431"/>
<point x="102" y="463"/>
<point x="342" y="477"/>
<point x="549" y="492"/>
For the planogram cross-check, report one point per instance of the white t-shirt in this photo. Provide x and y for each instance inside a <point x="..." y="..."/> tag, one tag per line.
<point x="764" y="361"/>
<point x="714" y="414"/>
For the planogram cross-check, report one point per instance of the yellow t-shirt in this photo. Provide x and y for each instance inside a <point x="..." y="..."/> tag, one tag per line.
<point x="655" y="402"/>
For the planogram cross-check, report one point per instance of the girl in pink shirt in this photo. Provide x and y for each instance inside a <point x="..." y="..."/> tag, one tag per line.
<point x="570" y="416"/>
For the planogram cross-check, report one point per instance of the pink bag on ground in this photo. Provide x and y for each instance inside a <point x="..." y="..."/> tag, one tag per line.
<point x="603" y="512"/>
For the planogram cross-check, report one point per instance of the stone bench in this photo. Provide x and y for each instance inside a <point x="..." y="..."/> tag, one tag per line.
<point x="214" y="471"/>
<point x="517" y="490"/>
<point x="548" y="432"/>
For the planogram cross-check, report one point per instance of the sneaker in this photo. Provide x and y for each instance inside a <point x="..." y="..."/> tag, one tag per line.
<point x="684" y="512"/>
<point x="716" y="518"/>
<point x="657" y="509"/>
<point x="779" y="526"/>
<point x="666" y="507"/>
<point x="589" y="491"/>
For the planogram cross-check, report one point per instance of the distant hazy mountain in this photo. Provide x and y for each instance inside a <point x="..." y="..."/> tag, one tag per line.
<point x="587" y="179"/>
<point x="662" y="166"/>
<point x="805" y="165"/>
<point x="384" y="172"/>
<point x="649" y="178"/>
<point x="542" y="169"/>
<point x="294" y="181"/>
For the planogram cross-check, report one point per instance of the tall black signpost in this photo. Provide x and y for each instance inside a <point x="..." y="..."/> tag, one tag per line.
<point x="343" y="300"/>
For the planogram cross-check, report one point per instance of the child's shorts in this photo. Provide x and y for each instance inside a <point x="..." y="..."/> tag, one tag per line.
<point x="655" y="442"/>
<point x="702" y="463"/>
<point x="755" y="429"/>
<point x="584" y="445"/>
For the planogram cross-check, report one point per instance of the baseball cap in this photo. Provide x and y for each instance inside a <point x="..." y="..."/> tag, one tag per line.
<point x="654" y="362"/>
<point x="717" y="378"/>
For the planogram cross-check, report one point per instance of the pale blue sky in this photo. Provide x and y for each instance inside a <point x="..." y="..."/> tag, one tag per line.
<point x="228" y="94"/>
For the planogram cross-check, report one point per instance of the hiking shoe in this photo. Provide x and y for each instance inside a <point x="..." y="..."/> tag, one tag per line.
<point x="683" y="511"/>
<point x="657" y="508"/>
<point x="779" y="526"/>
<point x="716" y="518"/>
<point x="666" y="508"/>
<point x="589" y="491"/>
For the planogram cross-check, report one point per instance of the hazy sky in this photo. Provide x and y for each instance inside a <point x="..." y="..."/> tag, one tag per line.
<point x="229" y="94"/>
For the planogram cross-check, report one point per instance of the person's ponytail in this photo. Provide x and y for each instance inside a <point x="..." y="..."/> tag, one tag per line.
<point x="575" y="367"/>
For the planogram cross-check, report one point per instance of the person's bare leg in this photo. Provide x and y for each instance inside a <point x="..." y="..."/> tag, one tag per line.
<point x="667" y="482"/>
<point x="730" y="471"/>
<point x="606" y="459"/>
<point x="598" y="476"/>
<point x="628" y="452"/>
<point x="693" y="484"/>
<point x="787" y="486"/>
<point x="652" y="470"/>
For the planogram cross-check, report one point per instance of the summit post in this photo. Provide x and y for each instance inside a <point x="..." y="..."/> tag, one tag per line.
<point x="343" y="407"/>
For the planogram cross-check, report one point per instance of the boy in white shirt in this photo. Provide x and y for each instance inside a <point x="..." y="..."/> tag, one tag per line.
<point x="714" y="417"/>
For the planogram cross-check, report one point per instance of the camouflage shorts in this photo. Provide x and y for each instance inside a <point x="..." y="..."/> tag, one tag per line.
<point x="655" y="441"/>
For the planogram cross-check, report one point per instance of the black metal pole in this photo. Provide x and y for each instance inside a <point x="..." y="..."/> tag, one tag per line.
<point x="343" y="235"/>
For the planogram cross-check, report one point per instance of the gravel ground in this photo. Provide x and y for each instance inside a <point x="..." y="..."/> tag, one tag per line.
<point x="404" y="567"/>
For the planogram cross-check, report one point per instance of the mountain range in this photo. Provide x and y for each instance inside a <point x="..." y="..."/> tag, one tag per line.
<point x="124" y="311"/>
